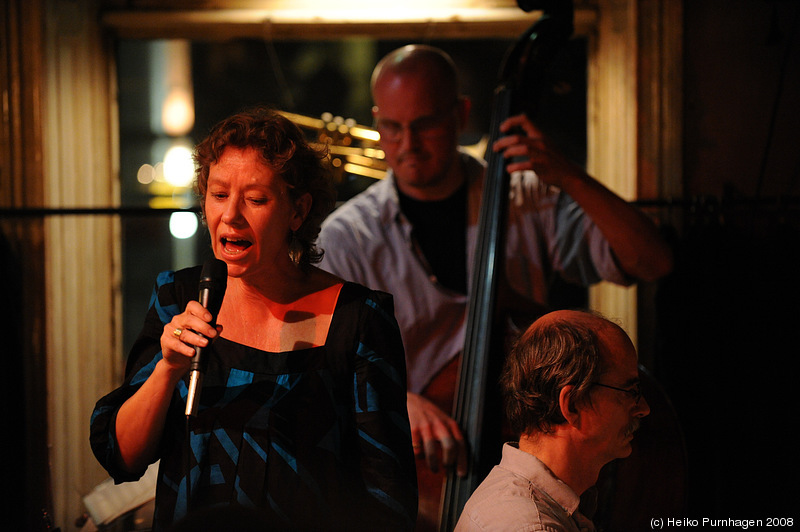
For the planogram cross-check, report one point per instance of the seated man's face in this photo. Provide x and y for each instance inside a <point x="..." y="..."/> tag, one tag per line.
<point x="615" y="412"/>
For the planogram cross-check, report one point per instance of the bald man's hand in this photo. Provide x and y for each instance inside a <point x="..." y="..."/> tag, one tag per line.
<point x="529" y="149"/>
<point x="436" y="435"/>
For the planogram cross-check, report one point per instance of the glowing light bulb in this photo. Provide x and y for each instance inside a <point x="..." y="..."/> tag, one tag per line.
<point x="177" y="113"/>
<point x="179" y="166"/>
<point x="183" y="225"/>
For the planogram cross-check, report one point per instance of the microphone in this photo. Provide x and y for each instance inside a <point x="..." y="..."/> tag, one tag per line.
<point x="213" y="282"/>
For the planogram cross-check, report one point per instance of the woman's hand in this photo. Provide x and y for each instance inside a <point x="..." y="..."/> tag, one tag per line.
<point x="187" y="330"/>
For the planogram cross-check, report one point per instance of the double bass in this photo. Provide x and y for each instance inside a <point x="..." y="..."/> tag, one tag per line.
<point x="477" y="408"/>
<point x="476" y="403"/>
<point x="624" y="501"/>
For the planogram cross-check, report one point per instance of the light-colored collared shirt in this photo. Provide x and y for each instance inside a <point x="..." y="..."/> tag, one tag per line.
<point x="522" y="494"/>
<point x="368" y="240"/>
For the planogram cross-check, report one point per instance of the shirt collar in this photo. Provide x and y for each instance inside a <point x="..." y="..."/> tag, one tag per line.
<point x="473" y="170"/>
<point x="539" y="474"/>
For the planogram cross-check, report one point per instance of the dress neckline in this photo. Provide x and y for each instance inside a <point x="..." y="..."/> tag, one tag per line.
<point x="338" y="302"/>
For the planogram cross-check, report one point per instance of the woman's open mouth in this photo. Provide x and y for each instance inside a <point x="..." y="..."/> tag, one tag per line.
<point x="235" y="245"/>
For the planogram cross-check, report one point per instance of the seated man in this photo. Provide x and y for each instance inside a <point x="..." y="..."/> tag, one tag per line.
<point x="571" y="387"/>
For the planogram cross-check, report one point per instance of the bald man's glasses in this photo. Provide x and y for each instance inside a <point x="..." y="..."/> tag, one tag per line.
<point x="634" y="393"/>
<point x="424" y="127"/>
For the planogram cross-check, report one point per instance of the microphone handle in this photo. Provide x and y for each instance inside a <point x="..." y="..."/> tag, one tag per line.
<point x="196" y="373"/>
<point x="195" y="384"/>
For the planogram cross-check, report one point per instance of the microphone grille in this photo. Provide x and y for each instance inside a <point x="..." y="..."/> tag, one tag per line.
<point x="214" y="279"/>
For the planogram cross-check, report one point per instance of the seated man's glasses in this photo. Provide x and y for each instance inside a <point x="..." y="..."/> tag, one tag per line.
<point x="634" y="393"/>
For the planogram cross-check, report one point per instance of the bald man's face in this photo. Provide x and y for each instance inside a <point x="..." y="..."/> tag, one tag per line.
<point x="419" y="126"/>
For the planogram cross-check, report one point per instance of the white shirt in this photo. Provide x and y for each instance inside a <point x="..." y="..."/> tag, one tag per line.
<point x="368" y="240"/>
<point x="522" y="494"/>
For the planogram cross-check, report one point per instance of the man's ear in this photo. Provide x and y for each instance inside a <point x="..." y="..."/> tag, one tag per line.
<point x="566" y="402"/>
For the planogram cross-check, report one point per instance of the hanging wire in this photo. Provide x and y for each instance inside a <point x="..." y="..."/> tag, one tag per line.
<point x="774" y="34"/>
<point x="274" y="60"/>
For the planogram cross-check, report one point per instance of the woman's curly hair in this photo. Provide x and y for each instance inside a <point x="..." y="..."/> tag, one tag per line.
<point x="285" y="151"/>
<point x="545" y="359"/>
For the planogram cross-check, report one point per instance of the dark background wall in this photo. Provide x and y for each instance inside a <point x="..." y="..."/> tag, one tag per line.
<point x="728" y="315"/>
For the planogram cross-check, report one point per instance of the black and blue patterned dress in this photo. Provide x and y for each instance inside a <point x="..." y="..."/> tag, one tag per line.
<point x="316" y="438"/>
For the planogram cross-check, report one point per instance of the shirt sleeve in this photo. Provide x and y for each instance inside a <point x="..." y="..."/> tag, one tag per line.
<point x="341" y="255"/>
<point x="384" y="434"/>
<point x="583" y="253"/>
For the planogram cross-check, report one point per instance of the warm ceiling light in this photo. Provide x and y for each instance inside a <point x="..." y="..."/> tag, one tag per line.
<point x="177" y="113"/>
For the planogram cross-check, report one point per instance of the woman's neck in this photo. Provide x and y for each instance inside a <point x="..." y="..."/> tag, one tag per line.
<point x="280" y="316"/>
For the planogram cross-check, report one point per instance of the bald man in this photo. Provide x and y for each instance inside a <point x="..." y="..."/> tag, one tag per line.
<point x="571" y="386"/>
<point x="413" y="234"/>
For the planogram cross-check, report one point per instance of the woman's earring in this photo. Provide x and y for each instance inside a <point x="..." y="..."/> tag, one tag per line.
<point x="295" y="249"/>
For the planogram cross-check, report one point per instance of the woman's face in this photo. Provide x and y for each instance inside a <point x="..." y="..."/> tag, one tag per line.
<point x="250" y="213"/>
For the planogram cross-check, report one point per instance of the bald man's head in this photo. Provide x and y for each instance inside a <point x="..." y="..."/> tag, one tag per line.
<point x="418" y="61"/>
